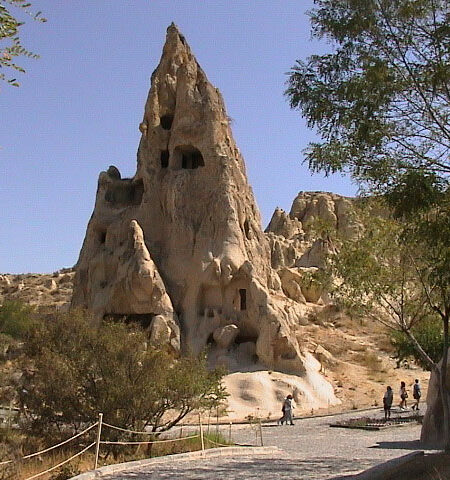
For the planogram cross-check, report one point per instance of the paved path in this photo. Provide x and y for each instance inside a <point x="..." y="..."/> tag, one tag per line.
<point x="311" y="450"/>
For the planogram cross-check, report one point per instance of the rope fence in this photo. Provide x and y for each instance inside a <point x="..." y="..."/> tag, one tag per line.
<point x="62" y="463"/>
<point x="100" y="424"/>
<point x="31" y="455"/>
<point x="108" y="442"/>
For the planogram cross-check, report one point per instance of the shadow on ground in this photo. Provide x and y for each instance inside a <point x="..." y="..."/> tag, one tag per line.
<point x="263" y="468"/>
<point x="403" y="445"/>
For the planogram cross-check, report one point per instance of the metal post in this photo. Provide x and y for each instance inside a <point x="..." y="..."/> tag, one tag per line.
<point x="99" y="434"/>
<point x="201" y="433"/>
<point x="260" y="432"/>
<point x="229" y="436"/>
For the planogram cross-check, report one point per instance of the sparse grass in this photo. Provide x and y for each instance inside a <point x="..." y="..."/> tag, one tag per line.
<point x="371" y="361"/>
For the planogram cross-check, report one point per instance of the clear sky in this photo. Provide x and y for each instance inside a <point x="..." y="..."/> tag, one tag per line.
<point x="79" y="106"/>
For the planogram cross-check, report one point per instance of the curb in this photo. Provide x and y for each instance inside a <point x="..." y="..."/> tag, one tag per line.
<point x="210" y="453"/>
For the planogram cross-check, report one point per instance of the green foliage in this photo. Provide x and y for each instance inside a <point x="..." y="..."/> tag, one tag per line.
<point x="9" y="32"/>
<point x="77" y="367"/>
<point x="16" y="318"/>
<point x="428" y="333"/>
<point x="380" y="99"/>
<point x="386" y="274"/>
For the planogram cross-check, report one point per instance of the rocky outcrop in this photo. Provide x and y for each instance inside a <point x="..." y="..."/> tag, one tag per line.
<point x="46" y="292"/>
<point x="300" y="241"/>
<point x="317" y="210"/>
<point x="180" y="246"/>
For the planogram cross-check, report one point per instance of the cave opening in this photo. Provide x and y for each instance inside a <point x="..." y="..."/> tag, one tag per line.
<point x="142" y="319"/>
<point x="125" y="192"/>
<point x="246" y="337"/>
<point x="164" y="158"/>
<point x="243" y="298"/>
<point x="166" y="122"/>
<point x="187" y="157"/>
<point x="247" y="229"/>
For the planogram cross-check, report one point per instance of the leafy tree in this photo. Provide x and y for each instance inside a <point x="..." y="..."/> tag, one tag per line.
<point x="378" y="277"/>
<point x="16" y="318"/>
<point x="75" y="368"/>
<point x="380" y="102"/>
<point x="9" y="32"/>
<point x="429" y="335"/>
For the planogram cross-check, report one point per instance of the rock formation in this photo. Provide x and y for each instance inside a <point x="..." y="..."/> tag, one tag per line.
<point x="179" y="247"/>
<point x="298" y="245"/>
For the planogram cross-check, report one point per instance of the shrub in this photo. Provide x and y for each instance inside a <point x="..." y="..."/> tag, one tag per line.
<point x="16" y="318"/>
<point x="76" y="367"/>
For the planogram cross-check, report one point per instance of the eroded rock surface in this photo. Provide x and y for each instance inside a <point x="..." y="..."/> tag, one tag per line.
<point x="180" y="245"/>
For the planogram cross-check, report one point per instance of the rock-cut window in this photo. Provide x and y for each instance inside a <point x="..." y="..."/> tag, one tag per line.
<point x="166" y="122"/>
<point x="187" y="157"/>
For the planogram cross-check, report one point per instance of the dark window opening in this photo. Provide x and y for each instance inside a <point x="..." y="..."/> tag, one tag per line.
<point x="102" y="237"/>
<point x="164" y="158"/>
<point x="166" y="121"/>
<point x="142" y="319"/>
<point x="245" y="338"/>
<point x="243" y="297"/>
<point x="187" y="157"/>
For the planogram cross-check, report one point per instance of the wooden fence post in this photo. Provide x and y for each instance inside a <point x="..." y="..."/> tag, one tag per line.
<point x="99" y="434"/>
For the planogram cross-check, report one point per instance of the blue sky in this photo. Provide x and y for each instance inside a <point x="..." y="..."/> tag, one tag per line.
<point x="78" y="109"/>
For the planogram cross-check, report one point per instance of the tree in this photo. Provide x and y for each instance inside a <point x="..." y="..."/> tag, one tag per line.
<point x="16" y="318"/>
<point x="380" y="102"/>
<point x="429" y="335"/>
<point x="74" y="370"/>
<point x="9" y="32"/>
<point x="377" y="277"/>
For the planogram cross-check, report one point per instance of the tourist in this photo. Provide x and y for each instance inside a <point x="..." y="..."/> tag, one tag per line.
<point x="417" y="393"/>
<point x="403" y="396"/>
<point x="287" y="411"/>
<point x="387" y="402"/>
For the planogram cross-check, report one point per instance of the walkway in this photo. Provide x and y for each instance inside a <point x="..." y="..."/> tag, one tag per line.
<point x="311" y="450"/>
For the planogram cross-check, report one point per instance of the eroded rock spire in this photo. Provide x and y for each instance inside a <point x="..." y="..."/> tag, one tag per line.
<point x="200" y="236"/>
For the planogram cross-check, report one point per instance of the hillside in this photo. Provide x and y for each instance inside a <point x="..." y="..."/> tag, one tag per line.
<point x="354" y="356"/>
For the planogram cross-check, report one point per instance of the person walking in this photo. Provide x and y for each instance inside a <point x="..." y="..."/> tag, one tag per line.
<point x="417" y="393"/>
<point x="403" y="396"/>
<point x="287" y="411"/>
<point x="387" y="402"/>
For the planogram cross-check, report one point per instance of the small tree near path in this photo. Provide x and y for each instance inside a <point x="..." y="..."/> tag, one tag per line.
<point x="74" y="368"/>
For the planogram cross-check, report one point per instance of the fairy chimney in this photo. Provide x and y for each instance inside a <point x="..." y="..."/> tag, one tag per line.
<point x="180" y="246"/>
